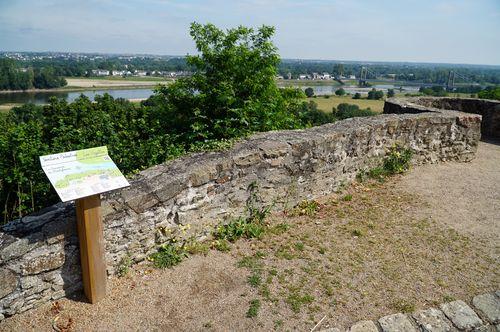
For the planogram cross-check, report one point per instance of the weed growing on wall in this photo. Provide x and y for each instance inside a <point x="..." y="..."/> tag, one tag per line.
<point x="250" y="226"/>
<point x="397" y="161"/>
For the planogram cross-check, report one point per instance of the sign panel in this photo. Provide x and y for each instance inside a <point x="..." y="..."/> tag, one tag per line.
<point x="82" y="173"/>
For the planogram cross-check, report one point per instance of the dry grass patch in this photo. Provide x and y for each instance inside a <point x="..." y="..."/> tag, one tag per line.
<point x="361" y="258"/>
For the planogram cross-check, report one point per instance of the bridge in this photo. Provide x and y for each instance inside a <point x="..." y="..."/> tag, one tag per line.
<point x="449" y="84"/>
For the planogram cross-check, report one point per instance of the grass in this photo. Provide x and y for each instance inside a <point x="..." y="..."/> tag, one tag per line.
<point x="253" y="310"/>
<point x="361" y="258"/>
<point x="326" y="104"/>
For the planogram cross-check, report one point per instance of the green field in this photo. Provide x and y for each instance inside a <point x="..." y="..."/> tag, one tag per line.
<point x="326" y="104"/>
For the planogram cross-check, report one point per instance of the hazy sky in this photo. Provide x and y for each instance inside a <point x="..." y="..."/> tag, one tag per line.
<point x="455" y="31"/>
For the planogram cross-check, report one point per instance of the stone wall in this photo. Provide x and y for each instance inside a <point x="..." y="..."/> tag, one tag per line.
<point x="488" y="109"/>
<point x="184" y="198"/>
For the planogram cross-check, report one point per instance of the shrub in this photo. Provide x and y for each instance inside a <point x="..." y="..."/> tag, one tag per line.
<point x="340" y="92"/>
<point x="345" y="111"/>
<point x="375" y="94"/>
<point x="310" y="115"/>
<point x="357" y="95"/>
<point x="309" y="92"/>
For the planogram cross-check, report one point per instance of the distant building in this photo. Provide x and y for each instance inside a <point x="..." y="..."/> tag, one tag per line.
<point x="326" y="76"/>
<point x="100" y="72"/>
<point x="141" y="73"/>
<point x="352" y="77"/>
<point x="120" y="73"/>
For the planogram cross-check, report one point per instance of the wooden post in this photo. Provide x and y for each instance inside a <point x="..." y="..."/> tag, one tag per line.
<point x="90" y="234"/>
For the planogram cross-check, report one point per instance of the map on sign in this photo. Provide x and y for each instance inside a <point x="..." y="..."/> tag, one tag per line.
<point x="82" y="173"/>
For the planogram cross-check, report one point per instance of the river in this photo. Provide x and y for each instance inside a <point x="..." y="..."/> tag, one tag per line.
<point x="44" y="96"/>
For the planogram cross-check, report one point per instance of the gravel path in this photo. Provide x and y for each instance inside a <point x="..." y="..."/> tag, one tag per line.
<point x="465" y="196"/>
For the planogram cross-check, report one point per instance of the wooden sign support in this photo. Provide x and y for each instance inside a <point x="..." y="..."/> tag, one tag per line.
<point x="90" y="234"/>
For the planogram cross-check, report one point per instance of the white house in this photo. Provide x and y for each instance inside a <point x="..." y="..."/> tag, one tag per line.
<point x="100" y="72"/>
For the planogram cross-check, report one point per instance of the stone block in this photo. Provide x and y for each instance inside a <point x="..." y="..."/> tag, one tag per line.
<point x="8" y="282"/>
<point x="489" y="305"/>
<point x="432" y="320"/>
<point x="364" y="326"/>
<point x="397" y="323"/>
<point x="461" y="315"/>
<point x="246" y="158"/>
<point x="43" y="261"/>
<point x="12" y="247"/>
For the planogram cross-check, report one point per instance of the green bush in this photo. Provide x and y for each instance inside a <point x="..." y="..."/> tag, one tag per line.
<point x="340" y="92"/>
<point x="346" y="111"/>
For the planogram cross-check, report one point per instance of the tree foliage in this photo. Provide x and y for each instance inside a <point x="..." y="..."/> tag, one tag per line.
<point x="340" y="92"/>
<point x="436" y="91"/>
<point x="14" y="78"/>
<point x="232" y="90"/>
<point x="490" y="93"/>
<point x="375" y="94"/>
<point x="231" y="94"/>
<point x="309" y="92"/>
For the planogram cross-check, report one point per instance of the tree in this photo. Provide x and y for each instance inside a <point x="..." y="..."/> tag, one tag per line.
<point x="357" y="95"/>
<point x="340" y="92"/>
<point x="390" y="93"/>
<point x="232" y="90"/>
<point x="375" y="94"/>
<point x="490" y="93"/>
<point x="345" y="111"/>
<point x="309" y="92"/>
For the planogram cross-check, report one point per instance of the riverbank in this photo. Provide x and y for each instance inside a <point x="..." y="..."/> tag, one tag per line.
<point x="84" y="84"/>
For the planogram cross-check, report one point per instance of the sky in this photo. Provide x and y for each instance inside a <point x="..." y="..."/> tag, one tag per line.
<point x="445" y="31"/>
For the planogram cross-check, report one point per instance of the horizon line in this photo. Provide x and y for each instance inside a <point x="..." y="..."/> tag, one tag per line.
<point x="281" y="58"/>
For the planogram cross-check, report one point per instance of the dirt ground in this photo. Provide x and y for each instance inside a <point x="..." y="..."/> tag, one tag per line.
<point x="465" y="196"/>
<point x="374" y="249"/>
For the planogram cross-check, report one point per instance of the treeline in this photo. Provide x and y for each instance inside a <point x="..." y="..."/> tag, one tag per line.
<point x="12" y="77"/>
<point x="490" y="92"/>
<point x="84" y="67"/>
<point x="426" y="73"/>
